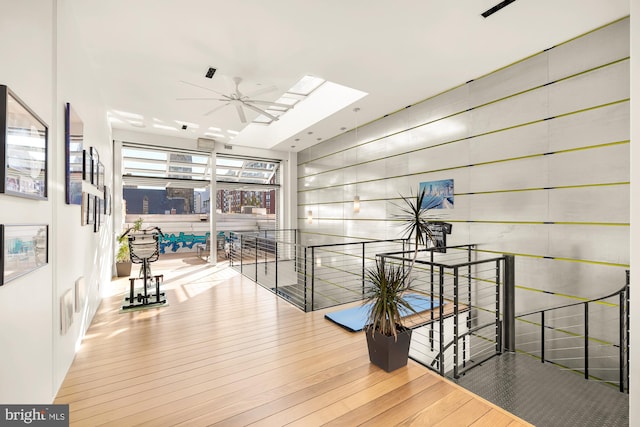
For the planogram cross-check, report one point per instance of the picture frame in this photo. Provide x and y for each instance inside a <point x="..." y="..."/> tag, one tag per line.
<point x="74" y="156"/>
<point x="24" y="248"/>
<point x="91" y="209"/>
<point x="24" y="140"/>
<point x="95" y="161"/>
<point x="86" y="166"/>
<point x="100" y="183"/>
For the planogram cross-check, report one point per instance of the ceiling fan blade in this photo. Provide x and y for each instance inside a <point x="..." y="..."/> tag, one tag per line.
<point x="262" y="91"/>
<point x="275" y="104"/>
<point x="201" y="87"/>
<point x="243" y="118"/>
<point x="219" y="107"/>
<point x="264" y="113"/>
<point x="201" y="99"/>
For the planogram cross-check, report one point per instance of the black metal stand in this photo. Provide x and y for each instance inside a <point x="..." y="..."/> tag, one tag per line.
<point x="143" y="248"/>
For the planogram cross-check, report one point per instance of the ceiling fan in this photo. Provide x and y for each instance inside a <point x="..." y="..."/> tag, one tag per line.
<point x="240" y="101"/>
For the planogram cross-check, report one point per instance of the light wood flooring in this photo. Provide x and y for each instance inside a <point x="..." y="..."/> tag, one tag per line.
<point x="227" y="352"/>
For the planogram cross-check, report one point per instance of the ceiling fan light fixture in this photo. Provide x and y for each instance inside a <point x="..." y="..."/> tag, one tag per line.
<point x="210" y="72"/>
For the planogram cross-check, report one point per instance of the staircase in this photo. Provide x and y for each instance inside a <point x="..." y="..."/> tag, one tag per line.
<point x="545" y="395"/>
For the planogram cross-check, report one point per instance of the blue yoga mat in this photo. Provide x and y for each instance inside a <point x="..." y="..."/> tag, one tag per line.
<point x="354" y="319"/>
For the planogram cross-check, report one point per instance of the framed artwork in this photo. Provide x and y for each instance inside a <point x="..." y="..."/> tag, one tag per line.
<point x="86" y="166"/>
<point x="84" y="211"/>
<point x="100" y="183"/>
<point x="91" y="209"/>
<point x="66" y="311"/>
<point x="74" y="156"/>
<point x="95" y="161"/>
<point x="24" y="249"/>
<point x="99" y="214"/>
<point x="437" y="194"/>
<point x="23" y="148"/>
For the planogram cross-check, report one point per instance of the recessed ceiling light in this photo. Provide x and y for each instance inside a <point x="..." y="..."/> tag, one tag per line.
<point x="309" y="133"/>
<point x="129" y="115"/>
<point x="157" y="126"/>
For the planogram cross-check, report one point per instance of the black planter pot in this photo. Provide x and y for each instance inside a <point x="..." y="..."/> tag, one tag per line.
<point x="387" y="353"/>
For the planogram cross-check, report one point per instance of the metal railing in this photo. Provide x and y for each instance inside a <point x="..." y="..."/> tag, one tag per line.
<point x="472" y="292"/>
<point x="309" y="277"/>
<point x="587" y="337"/>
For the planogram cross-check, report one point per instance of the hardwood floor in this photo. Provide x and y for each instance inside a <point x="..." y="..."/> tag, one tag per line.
<point x="227" y="352"/>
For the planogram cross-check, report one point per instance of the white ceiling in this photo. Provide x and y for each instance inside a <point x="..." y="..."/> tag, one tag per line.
<point x="398" y="52"/>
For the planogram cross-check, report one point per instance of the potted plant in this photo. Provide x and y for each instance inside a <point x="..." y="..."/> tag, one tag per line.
<point x="388" y="340"/>
<point x="123" y="257"/>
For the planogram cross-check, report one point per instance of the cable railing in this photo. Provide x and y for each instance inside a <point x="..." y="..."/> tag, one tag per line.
<point x="590" y="337"/>
<point x="470" y="290"/>
<point x="309" y="277"/>
<point x="473" y="318"/>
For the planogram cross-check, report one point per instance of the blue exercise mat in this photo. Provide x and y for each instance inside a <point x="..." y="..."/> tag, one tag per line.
<point x="355" y="319"/>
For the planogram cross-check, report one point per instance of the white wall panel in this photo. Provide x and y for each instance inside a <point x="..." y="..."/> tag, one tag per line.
<point x="525" y="108"/>
<point x="511" y="175"/>
<point x="590" y="204"/>
<point x="443" y="105"/>
<point x="593" y="166"/>
<point x="597" y="87"/>
<point x="515" y="142"/>
<point x="590" y="242"/>
<point x="524" y="75"/>
<point x="512" y="238"/>
<point x="592" y="127"/>
<point x="512" y="206"/>
<point x="592" y="50"/>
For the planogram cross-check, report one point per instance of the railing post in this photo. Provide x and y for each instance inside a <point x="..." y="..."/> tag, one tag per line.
<point x="626" y="316"/>
<point x="305" y="279"/>
<point x="509" y="303"/>
<point x="441" y="321"/>
<point x="455" y="323"/>
<point x="313" y="275"/>
<point x="621" y="339"/>
<point x="498" y="332"/>
<point x="241" y="254"/>
<point x="586" y="340"/>
<point x="542" y="336"/>
<point x="255" y="248"/>
<point x="363" y="273"/>
<point x="276" y="266"/>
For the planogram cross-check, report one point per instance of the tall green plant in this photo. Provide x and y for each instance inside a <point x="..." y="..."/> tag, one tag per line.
<point x="415" y="224"/>
<point x="388" y="283"/>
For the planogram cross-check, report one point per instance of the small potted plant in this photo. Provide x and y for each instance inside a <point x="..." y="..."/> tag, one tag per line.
<point x="123" y="257"/>
<point x="388" y="340"/>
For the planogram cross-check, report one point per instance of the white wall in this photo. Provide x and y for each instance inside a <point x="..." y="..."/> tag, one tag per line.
<point x="538" y="151"/>
<point x="44" y="63"/>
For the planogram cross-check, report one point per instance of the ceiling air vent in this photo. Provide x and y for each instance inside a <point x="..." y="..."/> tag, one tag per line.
<point x="206" y="144"/>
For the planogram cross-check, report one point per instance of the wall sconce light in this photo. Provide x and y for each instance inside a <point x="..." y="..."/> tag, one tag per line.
<point x="309" y="217"/>
<point x="356" y="204"/>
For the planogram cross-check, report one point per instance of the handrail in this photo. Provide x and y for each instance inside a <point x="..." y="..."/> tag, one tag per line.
<point x="623" y="325"/>
<point x="575" y="303"/>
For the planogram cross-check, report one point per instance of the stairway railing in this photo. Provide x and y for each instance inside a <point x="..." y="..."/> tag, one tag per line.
<point x="472" y="290"/>
<point x="579" y="337"/>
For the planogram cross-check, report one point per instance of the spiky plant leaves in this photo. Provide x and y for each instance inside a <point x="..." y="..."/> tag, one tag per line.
<point x="415" y="224"/>
<point x="388" y="283"/>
